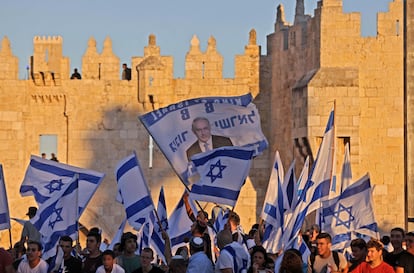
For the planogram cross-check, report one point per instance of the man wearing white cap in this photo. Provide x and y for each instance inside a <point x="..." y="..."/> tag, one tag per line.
<point x="198" y="262"/>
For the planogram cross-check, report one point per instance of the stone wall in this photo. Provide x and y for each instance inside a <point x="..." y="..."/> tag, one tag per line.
<point x="96" y="119"/>
<point x="322" y="60"/>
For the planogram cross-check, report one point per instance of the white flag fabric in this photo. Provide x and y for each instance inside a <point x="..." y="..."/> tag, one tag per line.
<point x="133" y="191"/>
<point x="273" y="211"/>
<point x="45" y="178"/>
<point x="4" y="205"/>
<point x="235" y="118"/>
<point x="223" y="172"/>
<point x="179" y="224"/>
<point x="118" y="235"/>
<point x="317" y="186"/>
<point x="58" y="216"/>
<point x="346" y="175"/>
<point x="351" y="211"/>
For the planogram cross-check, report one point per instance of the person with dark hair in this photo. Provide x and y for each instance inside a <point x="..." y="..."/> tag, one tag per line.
<point x="93" y="259"/>
<point x="18" y="254"/>
<point x="117" y="249"/>
<point x="397" y="238"/>
<point x="33" y="261"/>
<point x="128" y="260"/>
<point x="108" y="263"/>
<point x="359" y="253"/>
<point x="6" y="261"/>
<point x="326" y="260"/>
<point x="199" y="262"/>
<point x="291" y="262"/>
<point x="386" y="241"/>
<point x="405" y="264"/>
<point x="126" y="72"/>
<point x="76" y="75"/>
<point x="29" y="232"/>
<point x="147" y="256"/>
<point x="233" y="256"/>
<point x="71" y="264"/>
<point x="374" y="262"/>
<point x="258" y="259"/>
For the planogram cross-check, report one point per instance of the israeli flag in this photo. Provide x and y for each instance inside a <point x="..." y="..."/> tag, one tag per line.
<point x="317" y="186"/>
<point x="157" y="242"/>
<point x="221" y="220"/>
<point x="4" y="205"/>
<point x="133" y="191"/>
<point x="46" y="178"/>
<point x="273" y="207"/>
<point x="235" y="118"/>
<point x="222" y="174"/>
<point x="179" y="225"/>
<point x="351" y="211"/>
<point x="58" y="216"/>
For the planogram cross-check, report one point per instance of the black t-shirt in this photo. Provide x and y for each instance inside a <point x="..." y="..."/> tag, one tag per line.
<point x="91" y="264"/>
<point x="406" y="261"/>
<point x="154" y="269"/>
<point x="73" y="265"/>
<point x="391" y="258"/>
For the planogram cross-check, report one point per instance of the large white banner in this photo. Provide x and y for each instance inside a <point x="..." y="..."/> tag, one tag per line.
<point x="233" y="121"/>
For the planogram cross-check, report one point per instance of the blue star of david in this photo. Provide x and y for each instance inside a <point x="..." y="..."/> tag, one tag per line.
<point x="164" y="225"/>
<point x="343" y="216"/>
<point x="219" y="174"/>
<point x="304" y="192"/>
<point x="54" y="185"/>
<point x="55" y="218"/>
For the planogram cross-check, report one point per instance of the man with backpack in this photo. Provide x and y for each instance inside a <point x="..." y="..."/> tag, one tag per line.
<point x="326" y="260"/>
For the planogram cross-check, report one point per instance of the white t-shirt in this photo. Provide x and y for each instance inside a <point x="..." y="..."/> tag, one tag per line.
<point x="239" y="258"/>
<point x="24" y="267"/>
<point x="115" y="269"/>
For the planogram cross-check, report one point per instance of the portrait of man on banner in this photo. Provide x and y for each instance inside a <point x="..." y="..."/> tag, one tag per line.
<point x="186" y="128"/>
<point x="201" y="128"/>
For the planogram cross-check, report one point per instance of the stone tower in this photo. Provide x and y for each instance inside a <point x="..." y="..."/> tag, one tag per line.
<point x="409" y="91"/>
<point x="48" y="65"/>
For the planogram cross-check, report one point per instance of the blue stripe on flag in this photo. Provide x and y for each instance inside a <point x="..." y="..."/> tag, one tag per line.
<point x="356" y="189"/>
<point x="330" y="124"/>
<point x="180" y="238"/>
<point x="54" y="239"/>
<point x="64" y="172"/>
<point x="238" y="154"/>
<point x="341" y="238"/>
<point x="214" y="191"/>
<point x="138" y="206"/>
<point x="4" y="218"/>
<point x="270" y="210"/>
<point x="130" y="164"/>
<point x="151" y="118"/>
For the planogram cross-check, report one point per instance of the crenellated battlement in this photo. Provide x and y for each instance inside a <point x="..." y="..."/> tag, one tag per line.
<point x="48" y="39"/>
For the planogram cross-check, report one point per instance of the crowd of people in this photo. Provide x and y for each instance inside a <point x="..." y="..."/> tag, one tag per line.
<point x="231" y="251"/>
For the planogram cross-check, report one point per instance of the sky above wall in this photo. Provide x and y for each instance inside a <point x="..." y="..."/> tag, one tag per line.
<point x="129" y="23"/>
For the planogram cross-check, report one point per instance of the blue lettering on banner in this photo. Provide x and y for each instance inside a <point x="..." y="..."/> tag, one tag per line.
<point x="235" y="120"/>
<point x="177" y="141"/>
